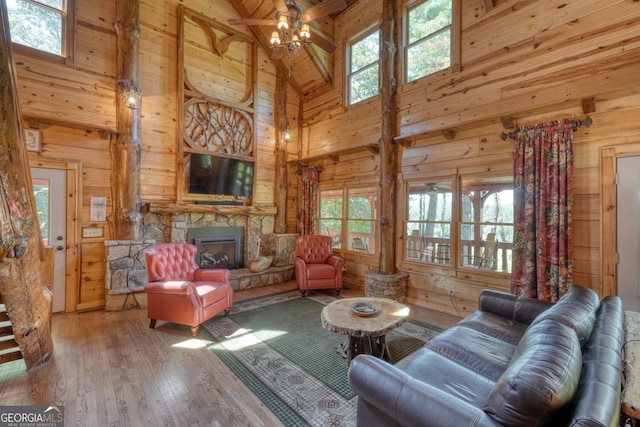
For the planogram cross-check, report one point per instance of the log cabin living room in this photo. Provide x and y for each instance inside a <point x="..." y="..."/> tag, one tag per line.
<point x="474" y="161"/>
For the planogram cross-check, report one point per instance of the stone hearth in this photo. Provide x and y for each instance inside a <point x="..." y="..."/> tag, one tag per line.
<point x="126" y="273"/>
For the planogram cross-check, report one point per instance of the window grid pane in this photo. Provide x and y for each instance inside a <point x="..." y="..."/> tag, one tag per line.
<point x="428" y="18"/>
<point x="429" y="56"/>
<point x="486" y="226"/>
<point x="365" y="52"/>
<point x="428" y="225"/>
<point x="36" y="26"/>
<point x="429" y="39"/>
<point x="361" y="217"/>
<point x="364" y="84"/>
<point x="330" y="221"/>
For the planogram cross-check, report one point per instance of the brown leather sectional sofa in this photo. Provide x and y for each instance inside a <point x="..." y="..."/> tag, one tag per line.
<point x="513" y="362"/>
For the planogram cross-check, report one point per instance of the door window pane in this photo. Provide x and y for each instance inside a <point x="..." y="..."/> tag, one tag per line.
<point x="41" y="195"/>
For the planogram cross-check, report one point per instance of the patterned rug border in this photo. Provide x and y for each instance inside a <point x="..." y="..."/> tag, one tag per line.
<point x="293" y="408"/>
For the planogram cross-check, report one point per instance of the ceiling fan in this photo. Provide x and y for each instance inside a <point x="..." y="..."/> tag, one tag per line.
<point x="290" y="15"/>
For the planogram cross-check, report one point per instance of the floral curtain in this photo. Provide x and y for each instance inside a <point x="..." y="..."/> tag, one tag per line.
<point x="308" y="195"/>
<point x="543" y="198"/>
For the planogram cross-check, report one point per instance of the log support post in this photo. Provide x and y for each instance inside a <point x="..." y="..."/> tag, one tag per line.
<point x="387" y="145"/>
<point x="23" y="289"/>
<point x="127" y="147"/>
<point x="281" y="123"/>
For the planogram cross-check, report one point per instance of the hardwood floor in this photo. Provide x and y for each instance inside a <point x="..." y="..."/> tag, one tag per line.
<point x="111" y="369"/>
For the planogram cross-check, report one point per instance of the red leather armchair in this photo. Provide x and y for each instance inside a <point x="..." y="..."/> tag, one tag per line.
<point x="179" y="292"/>
<point x="316" y="266"/>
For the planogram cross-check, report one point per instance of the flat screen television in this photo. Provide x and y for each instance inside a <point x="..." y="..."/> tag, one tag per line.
<point x="218" y="175"/>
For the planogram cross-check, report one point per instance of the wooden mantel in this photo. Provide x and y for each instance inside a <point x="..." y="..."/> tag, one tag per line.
<point x="179" y="208"/>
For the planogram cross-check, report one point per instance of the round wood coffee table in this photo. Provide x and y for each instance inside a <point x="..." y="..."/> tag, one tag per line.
<point x="366" y="321"/>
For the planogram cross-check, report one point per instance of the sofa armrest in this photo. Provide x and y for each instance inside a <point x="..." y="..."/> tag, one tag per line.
<point x="175" y="287"/>
<point x="521" y="309"/>
<point x="497" y="302"/>
<point x="212" y="275"/>
<point x="406" y="400"/>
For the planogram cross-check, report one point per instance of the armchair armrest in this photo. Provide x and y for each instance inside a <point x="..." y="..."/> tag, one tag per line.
<point x="407" y="401"/>
<point x="335" y="261"/>
<point x="175" y="287"/>
<point x="212" y="275"/>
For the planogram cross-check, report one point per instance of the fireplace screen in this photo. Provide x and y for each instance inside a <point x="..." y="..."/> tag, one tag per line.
<point x="218" y="247"/>
<point x="217" y="254"/>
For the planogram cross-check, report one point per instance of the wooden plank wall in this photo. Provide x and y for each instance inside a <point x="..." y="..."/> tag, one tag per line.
<point x="74" y="108"/>
<point x="534" y="61"/>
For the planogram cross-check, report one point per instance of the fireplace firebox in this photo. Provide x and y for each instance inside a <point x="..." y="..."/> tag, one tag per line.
<point x="218" y="247"/>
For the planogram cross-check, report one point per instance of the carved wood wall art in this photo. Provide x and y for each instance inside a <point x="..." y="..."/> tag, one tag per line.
<point x="216" y="111"/>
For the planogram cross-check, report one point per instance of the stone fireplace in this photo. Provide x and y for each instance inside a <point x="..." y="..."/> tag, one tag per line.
<point x="218" y="247"/>
<point x="240" y="236"/>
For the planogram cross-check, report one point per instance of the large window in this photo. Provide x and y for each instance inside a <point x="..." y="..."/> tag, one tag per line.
<point x="349" y="216"/>
<point x="429" y="38"/>
<point x="486" y="225"/>
<point x="429" y="212"/>
<point x="363" y="55"/>
<point x="41" y="24"/>
<point x="465" y="221"/>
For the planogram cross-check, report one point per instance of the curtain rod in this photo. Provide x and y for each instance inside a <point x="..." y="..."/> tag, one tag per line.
<point x="587" y="121"/>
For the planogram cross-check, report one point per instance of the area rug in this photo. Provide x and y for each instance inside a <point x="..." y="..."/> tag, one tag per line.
<point x="277" y="346"/>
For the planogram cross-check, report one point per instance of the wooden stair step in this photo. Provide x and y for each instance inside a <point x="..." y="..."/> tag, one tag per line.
<point x="6" y="330"/>
<point x="10" y="357"/>
<point x="7" y="344"/>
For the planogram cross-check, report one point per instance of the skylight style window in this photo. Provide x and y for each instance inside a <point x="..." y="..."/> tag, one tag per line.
<point x="41" y="24"/>
<point x="363" y="64"/>
<point x="429" y="38"/>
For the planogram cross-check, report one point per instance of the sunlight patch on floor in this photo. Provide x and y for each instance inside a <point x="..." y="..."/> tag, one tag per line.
<point x="244" y="338"/>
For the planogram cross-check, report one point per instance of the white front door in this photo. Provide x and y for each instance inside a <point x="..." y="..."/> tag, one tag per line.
<point x="49" y="187"/>
<point x="628" y="226"/>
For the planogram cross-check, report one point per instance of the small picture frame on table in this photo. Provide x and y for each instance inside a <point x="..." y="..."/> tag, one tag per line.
<point x="33" y="138"/>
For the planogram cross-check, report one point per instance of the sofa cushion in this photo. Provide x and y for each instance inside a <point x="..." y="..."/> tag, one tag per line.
<point x="576" y="309"/>
<point x="475" y="350"/>
<point x="444" y="374"/>
<point x="541" y="379"/>
<point x="499" y="327"/>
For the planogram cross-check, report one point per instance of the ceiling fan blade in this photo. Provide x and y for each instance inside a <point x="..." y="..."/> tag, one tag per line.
<point x="281" y="6"/>
<point x="323" y="42"/>
<point x="250" y="21"/>
<point x="327" y="7"/>
<point x="277" y="53"/>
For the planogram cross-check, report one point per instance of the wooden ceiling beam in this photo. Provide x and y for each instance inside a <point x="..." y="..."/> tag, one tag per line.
<point x="263" y="41"/>
<point x="319" y="64"/>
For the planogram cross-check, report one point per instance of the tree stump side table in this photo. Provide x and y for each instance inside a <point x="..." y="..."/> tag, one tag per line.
<point x="366" y="332"/>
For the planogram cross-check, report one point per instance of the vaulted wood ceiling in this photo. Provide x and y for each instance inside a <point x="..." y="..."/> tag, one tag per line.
<point x="312" y="67"/>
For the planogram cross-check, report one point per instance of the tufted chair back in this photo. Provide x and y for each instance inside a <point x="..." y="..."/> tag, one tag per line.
<point x="314" y="249"/>
<point x="171" y="261"/>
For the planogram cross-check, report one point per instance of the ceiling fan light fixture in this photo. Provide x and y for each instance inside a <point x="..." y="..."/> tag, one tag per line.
<point x="305" y="33"/>
<point x="283" y="23"/>
<point x="275" y="39"/>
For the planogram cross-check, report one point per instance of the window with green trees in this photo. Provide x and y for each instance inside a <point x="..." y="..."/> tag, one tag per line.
<point x="486" y="223"/>
<point x="462" y="221"/>
<point x="348" y="215"/>
<point x="363" y="56"/>
<point x="41" y="24"/>
<point x="429" y="38"/>
<point x="429" y="208"/>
